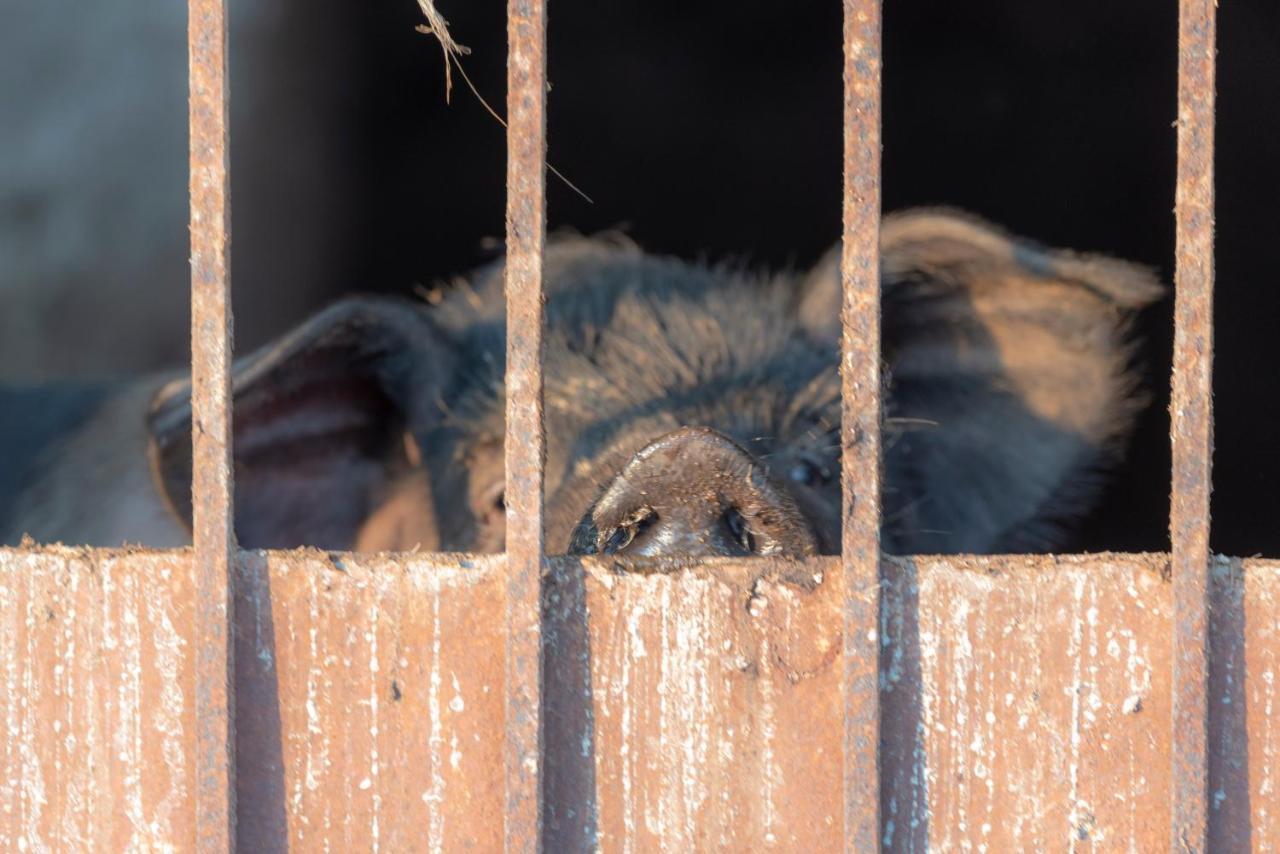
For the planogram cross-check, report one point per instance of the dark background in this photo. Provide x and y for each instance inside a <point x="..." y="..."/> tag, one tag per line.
<point x="714" y="128"/>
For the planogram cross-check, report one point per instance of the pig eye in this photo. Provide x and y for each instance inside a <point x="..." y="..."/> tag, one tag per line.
<point x="630" y="528"/>
<point x="493" y="502"/>
<point x="619" y="540"/>
<point x="738" y="529"/>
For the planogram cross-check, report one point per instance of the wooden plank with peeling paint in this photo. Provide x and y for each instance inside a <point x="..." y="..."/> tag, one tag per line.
<point x="1244" y="706"/>
<point x="1026" y="703"/>
<point x="369" y="702"/>
<point x="97" y="673"/>
<point x="1025" y="700"/>
<point x="714" y="716"/>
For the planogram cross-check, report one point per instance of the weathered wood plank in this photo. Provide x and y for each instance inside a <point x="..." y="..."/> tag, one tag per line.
<point x="97" y="701"/>
<point x="714" y="717"/>
<point x="1025" y="703"/>
<point x="369" y="712"/>
<point x="1244" y="706"/>
<point x="368" y="709"/>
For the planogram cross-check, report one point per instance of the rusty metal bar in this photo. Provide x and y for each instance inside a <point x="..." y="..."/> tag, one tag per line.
<point x="526" y="236"/>
<point x="860" y="392"/>
<point x="211" y="486"/>
<point x="1191" y="428"/>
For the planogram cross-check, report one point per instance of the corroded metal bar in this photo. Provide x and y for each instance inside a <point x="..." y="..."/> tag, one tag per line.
<point x="211" y="485"/>
<point x="1191" y="428"/>
<point x="860" y="390"/>
<point x="526" y="235"/>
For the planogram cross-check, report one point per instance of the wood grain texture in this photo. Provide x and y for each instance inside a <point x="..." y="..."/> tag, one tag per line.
<point x="369" y="704"/>
<point x="1026" y="703"/>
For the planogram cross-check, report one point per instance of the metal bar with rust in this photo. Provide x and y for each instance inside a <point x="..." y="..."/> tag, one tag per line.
<point x="211" y="484"/>
<point x="1191" y="427"/>
<point x="526" y="236"/>
<point x="860" y="456"/>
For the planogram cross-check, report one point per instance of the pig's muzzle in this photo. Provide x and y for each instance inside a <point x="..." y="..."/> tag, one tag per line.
<point x="694" y="492"/>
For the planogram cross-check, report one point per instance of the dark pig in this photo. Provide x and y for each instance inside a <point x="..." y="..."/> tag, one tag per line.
<point x="690" y="410"/>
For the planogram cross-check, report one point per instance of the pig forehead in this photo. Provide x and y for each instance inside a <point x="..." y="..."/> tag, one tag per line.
<point x="730" y="402"/>
<point x="675" y="356"/>
<point x="761" y="419"/>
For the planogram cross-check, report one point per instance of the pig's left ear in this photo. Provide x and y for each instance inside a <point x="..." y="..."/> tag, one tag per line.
<point x="321" y="420"/>
<point x="1008" y="377"/>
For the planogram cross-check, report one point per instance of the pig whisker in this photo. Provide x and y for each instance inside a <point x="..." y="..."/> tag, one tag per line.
<point x="911" y="422"/>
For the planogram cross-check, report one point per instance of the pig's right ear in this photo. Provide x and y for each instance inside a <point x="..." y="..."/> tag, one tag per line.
<point x="322" y="423"/>
<point x="1010" y="384"/>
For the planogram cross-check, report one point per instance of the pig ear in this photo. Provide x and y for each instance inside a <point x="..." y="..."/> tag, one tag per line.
<point x="323" y="421"/>
<point x="1010" y="387"/>
<point x="818" y="298"/>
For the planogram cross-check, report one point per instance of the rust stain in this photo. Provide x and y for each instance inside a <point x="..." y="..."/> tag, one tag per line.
<point x="860" y="395"/>
<point x="1191" y="425"/>
<point x="525" y="445"/>
<point x="213" y="533"/>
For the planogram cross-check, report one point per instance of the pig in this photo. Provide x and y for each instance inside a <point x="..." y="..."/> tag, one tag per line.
<point x="690" y="410"/>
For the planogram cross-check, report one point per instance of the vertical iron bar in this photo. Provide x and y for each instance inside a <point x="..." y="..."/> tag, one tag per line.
<point x="860" y="391"/>
<point x="526" y="235"/>
<point x="1191" y="427"/>
<point x="211" y="486"/>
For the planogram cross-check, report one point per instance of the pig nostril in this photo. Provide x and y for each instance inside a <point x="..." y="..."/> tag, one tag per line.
<point x="693" y="492"/>
<point x="619" y="540"/>
<point x="630" y="528"/>
<point x="738" y="529"/>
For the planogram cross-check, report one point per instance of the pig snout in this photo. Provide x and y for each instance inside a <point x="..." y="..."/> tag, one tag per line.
<point x="694" y="492"/>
